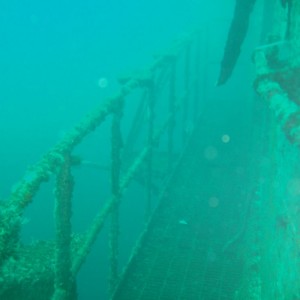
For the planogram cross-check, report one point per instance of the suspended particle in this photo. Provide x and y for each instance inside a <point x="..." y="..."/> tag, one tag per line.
<point x="210" y="153"/>
<point x="103" y="82"/>
<point x="213" y="202"/>
<point x="225" y="138"/>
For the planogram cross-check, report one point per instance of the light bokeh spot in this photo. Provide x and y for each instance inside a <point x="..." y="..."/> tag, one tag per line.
<point x="102" y="82"/>
<point x="225" y="138"/>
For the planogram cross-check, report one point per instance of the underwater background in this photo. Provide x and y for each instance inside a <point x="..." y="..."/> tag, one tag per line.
<point x="58" y="60"/>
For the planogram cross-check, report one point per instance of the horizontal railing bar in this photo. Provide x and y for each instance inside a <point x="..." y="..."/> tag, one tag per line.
<point x="24" y="191"/>
<point x="26" y="188"/>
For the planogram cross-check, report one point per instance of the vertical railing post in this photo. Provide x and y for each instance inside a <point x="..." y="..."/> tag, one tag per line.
<point x="197" y="80"/>
<point x="185" y="105"/>
<point x="64" y="283"/>
<point x="151" y="103"/>
<point x="172" y="100"/>
<point x="116" y="146"/>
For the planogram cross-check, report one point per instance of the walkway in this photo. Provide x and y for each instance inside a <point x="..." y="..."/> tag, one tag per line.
<point x="192" y="249"/>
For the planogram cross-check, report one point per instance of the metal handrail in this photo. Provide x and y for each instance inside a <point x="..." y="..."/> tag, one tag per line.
<point x="58" y="161"/>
